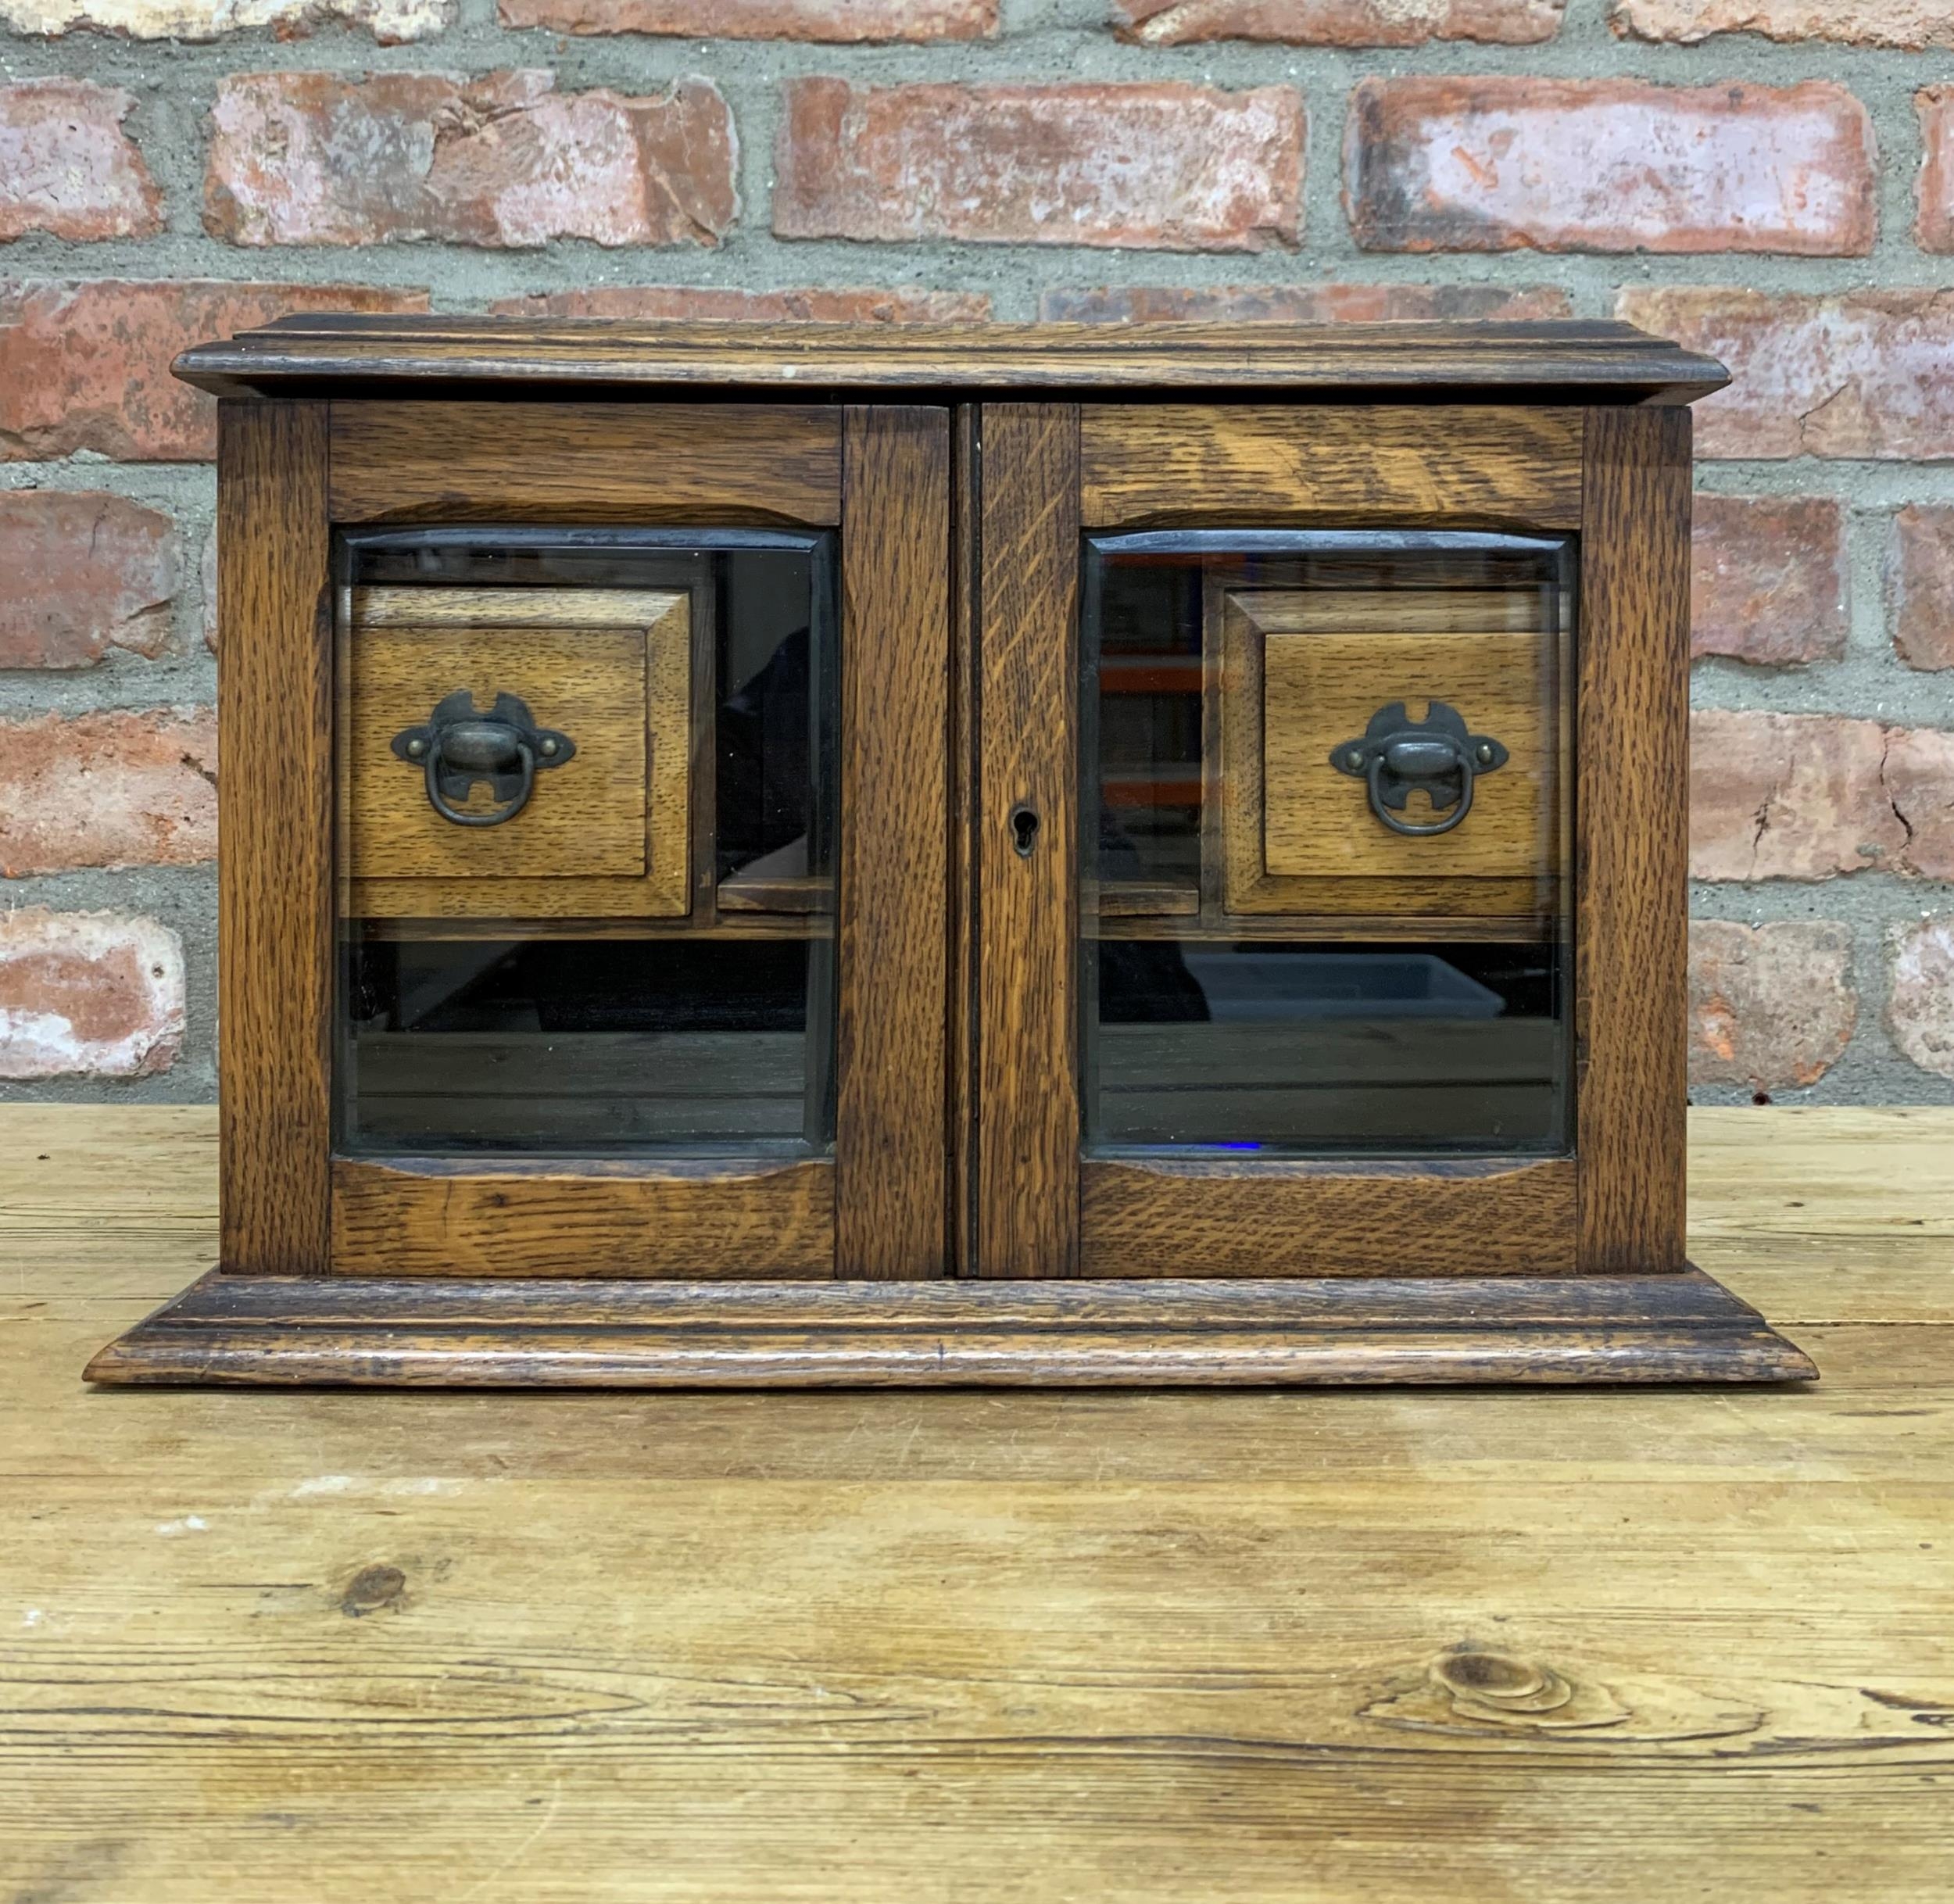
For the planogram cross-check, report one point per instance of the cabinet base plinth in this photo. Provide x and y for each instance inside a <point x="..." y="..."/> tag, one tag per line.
<point x="241" y="1329"/>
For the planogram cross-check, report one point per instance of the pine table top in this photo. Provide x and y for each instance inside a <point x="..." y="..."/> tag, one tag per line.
<point x="1222" y="1645"/>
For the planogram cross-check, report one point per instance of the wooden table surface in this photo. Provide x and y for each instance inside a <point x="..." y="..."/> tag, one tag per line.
<point x="1219" y="1645"/>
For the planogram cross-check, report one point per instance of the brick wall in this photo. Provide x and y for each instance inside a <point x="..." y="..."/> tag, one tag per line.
<point x="1769" y="180"/>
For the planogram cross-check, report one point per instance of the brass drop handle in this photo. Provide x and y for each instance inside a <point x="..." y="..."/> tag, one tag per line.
<point x="460" y="745"/>
<point x="1440" y="754"/>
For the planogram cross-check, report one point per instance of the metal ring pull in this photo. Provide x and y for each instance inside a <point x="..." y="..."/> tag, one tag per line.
<point x="1440" y="754"/>
<point x="459" y="746"/>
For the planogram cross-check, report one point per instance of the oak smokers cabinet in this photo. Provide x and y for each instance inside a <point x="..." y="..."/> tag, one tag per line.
<point x="811" y="854"/>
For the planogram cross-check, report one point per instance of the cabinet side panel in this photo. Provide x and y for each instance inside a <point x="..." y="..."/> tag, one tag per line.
<point x="1631" y="830"/>
<point x="892" y="1203"/>
<point x="1028" y="1136"/>
<point x="275" y="807"/>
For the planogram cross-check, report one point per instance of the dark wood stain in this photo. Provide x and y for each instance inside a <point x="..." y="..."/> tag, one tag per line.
<point x="1329" y="1330"/>
<point x="1258" y="465"/>
<point x="958" y="1234"/>
<point x="1632" y="840"/>
<point x="1531" y="363"/>
<point x="1234" y="1218"/>
<point x="438" y="1217"/>
<point x="892" y="1122"/>
<point x="574" y="463"/>
<point x="1027" y="1098"/>
<point x="275" y="895"/>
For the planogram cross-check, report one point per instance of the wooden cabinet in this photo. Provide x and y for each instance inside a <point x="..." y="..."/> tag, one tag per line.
<point x="818" y="855"/>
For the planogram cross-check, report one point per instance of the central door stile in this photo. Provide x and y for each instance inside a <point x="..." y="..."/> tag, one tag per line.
<point x="1025" y="1178"/>
<point x="893" y="1117"/>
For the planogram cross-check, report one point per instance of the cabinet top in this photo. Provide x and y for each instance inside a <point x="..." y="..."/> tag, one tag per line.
<point x="345" y="355"/>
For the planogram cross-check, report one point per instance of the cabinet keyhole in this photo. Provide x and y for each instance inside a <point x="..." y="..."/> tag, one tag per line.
<point x="1024" y="830"/>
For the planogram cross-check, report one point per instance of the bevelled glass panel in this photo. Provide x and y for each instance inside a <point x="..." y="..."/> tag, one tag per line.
<point x="1326" y="906"/>
<point x="587" y="825"/>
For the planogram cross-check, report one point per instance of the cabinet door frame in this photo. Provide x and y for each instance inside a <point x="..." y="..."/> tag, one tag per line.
<point x="1618" y="477"/>
<point x="293" y="473"/>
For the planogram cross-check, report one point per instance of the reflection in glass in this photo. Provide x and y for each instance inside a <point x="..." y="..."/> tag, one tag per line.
<point x="1288" y="952"/>
<point x="640" y="961"/>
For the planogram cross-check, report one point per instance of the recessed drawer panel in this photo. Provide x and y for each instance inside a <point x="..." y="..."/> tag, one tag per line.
<point x="518" y="753"/>
<point x="1381" y="757"/>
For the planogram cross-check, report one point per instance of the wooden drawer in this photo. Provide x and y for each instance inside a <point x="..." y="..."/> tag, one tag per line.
<point x="605" y="674"/>
<point x="1325" y="694"/>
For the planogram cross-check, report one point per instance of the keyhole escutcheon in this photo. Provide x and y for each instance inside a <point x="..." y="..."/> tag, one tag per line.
<point x="1024" y="830"/>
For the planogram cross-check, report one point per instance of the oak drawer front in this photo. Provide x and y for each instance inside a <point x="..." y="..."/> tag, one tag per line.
<point x="1377" y="757"/>
<point x="599" y="679"/>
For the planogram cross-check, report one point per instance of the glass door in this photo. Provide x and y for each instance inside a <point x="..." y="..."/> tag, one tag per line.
<point x="1275" y="895"/>
<point x="590" y="802"/>
<point x="1323" y="906"/>
<point x="641" y="966"/>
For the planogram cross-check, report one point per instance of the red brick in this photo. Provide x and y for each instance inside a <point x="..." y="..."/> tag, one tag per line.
<point x="655" y="302"/>
<point x="1299" y="303"/>
<point x="1338" y="23"/>
<point x="108" y="789"/>
<point x="97" y="993"/>
<point x="1919" y="777"/>
<point x="1788" y="796"/>
<point x="1866" y="373"/>
<point x="66" y="166"/>
<point x="1920" y="587"/>
<point x="1910" y="24"/>
<point x="84" y="572"/>
<point x="1498" y="164"/>
<point x="1920" y="997"/>
<point x="831" y="20"/>
<point x="85" y="366"/>
<point x="501" y="161"/>
<point x="1768" y="579"/>
<point x="1934" y="225"/>
<point x="1168" y="167"/>
<point x="390" y="22"/>
<point x="1771" y="1006"/>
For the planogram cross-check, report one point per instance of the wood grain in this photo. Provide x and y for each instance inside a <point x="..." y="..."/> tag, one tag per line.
<point x="1814" y="1214"/>
<point x="691" y="1219"/>
<point x="966" y="824"/>
<point x="606" y="834"/>
<point x="723" y="464"/>
<point x="1528" y="363"/>
<point x="737" y="921"/>
<point x="1254" y="1218"/>
<point x="1631" y="846"/>
<point x="586" y="817"/>
<point x="728" y="1646"/>
<point x="1246" y="466"/>
<point x="1130" y="899"/>
<point x="1295" y="836"/>
<point x="389" y="605"/>
<point x="275" y="884"/>
<point x="1027" y="1089"/>
<point x="1321" y="689"/>
<point x="739" y="892"/>
<point x="1319" y="1329"/>
<point x="892" y="1118"/>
